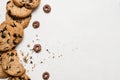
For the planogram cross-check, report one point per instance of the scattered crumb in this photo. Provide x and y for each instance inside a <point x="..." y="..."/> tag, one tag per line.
<point x="28" y="45"/>
<point x="25" y="59"/>
<point x="22" y="53"/>
<point x="36" y="35"/>
<point x="48" y="51"/>
<point x="41" y="62"/>
<point x="31" y="62"/>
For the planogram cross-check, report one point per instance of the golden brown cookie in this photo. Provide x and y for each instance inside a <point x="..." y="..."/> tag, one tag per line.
<point x="20" y="12"/>
<point x="11" y="64"/>
<point x="22" y="21"/>
<point x="2" y="73"/>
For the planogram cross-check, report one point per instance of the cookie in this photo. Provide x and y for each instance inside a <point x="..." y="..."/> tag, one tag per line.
<point x="19" y="3"/>
<point x="6" y="37"/>
<point x="20" y="12"/>
<point x="11" y="34"/>
<point x="23" y="77"/>
<point x="2" y="73"/>
<point x="11" y="64"/>
<point x="22" y="21"/>
<point x="31" y="4"/>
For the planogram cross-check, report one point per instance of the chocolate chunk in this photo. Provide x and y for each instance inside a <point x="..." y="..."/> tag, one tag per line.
<point x="13" y="25"/>
<point x="47" y="8"/>
<point x="15" y="35"/>
<point x="45" y="75"/>
<point x="8" y="2"/>
<point x="10" y="54"/>
<point x="8" y="41"/>
<point x="37" y="48"/>
<point x="30" y="1"/>
<point x="11" y="60"/>
<point x="36" y="24"/>
<point x="3" y="35"/>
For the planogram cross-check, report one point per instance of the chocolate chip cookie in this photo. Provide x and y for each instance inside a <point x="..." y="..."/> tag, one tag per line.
<point x="11" y="35"/>
<point x="6" y="37"/>
<point x="23" y="77"/>
<point x="22" y="21"/>
<point x="2" y="73"/>
<point x="20" y="12"/>
<point x="11" y="64"/>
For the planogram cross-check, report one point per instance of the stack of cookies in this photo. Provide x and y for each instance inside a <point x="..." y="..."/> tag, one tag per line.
<point x="18" y="16"/>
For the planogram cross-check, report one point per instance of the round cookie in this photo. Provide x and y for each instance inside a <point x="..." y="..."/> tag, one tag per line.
<point x="11" y="64"/>
<point x="19" y="3"/>
<point x="23" y="77"/>
<point x="22" y="21"/>
<point x="6" y="38"/>
<point x="20" y="12"/>
<point x="32" y="4"/>
<point x="2" y="73"/>
<point x="11" y="35"/>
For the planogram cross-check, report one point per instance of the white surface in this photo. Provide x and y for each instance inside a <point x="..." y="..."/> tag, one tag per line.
<point x="85" y="32"/>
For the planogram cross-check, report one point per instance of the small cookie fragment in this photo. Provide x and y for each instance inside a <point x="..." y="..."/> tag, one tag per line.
<point x="47" y="8"/>
<point x="36" y="24"/>
<point x="37" y="48"/>
<point x="11" y="64"/>
<point x="45" y="75"/>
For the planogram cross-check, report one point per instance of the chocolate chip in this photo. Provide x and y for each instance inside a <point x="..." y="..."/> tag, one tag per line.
<point x="47" y="8"/>
<point x="3" y="35"/>
<point x="14" y="42"/>
<point x="8" y="41"/>
<point x="18" y="72"/>
<point x="27" y="6"/>
<point x="45" y="75"/>
<point x="19" y="36"/>
<point x="36" y="24"/>
<point x="37" y="48"/>
<point x="10" y="54"/>
<point x="15" y="35"/>
<point x="8" y="2"/>
<point x="30" y="1"/>
<point x="13" y="25"/>
<point x="11" y="60"/>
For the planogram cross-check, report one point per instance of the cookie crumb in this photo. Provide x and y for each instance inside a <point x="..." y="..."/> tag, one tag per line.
<point x="28" y="45"/>
<point x="37" y="48"/>
<point x="25" y="59"/>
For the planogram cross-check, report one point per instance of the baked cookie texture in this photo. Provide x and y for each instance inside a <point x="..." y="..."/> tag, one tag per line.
<point x="11" y="34"/>
<point x="2" y="73"/>
<point x="22" y="21"/>
<point x="23" y="77"/>
<point x="19" y="3"/>
<point x="11" y="64"/>
<point x="32" y="4"/>
<point x="20" y="12"/>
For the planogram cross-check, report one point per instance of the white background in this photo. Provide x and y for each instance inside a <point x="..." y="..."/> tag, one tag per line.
<point x="85" y="32"/>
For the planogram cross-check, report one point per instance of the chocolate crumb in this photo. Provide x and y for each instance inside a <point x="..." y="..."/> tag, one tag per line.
<point x="25" y="59"/>
<point x="28" y="45"/>
<point x="31" y="62"/>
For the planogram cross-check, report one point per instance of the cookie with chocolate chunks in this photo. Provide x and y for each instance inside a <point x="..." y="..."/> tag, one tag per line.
<point x="11" y="34"/>
<point x="2" y="73"/>
<point x="22" y="21"/>
<point x="11" y="63"/>
<point x="20" y="12"/>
